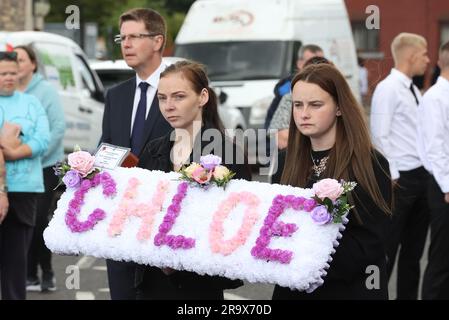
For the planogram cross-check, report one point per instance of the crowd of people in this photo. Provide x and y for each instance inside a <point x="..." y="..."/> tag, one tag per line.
<point x="400" y="161"/>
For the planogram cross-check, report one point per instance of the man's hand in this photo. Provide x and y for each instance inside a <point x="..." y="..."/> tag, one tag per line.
<point x="282" y="138"/>
<point x="446" y="197"/>
<point x="4" y="206"/>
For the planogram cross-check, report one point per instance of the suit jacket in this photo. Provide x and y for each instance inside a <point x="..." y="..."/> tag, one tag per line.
<point x="118" y="113"/>
<point x="151" y="282"/>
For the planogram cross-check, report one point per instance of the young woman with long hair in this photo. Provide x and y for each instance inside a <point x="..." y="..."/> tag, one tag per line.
<point x="190" y="106"/>
<point x="329" y="138"/>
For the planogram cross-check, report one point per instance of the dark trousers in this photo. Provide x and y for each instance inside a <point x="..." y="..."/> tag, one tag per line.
<point x="38" y="253"/>
<point x="15" y="237"/>
<point x="121" y="278"/>
<point x="409" y="229"/>
<point x="436" y="277"/>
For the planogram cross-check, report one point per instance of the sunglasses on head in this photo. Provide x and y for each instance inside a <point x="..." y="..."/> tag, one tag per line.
<point x="8" y="55"/>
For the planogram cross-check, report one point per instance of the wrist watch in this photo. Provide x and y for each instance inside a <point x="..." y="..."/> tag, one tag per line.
<point x="3" y="188"/>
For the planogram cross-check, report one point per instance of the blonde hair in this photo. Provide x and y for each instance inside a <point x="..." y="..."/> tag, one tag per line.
<point x="406" y="40"/>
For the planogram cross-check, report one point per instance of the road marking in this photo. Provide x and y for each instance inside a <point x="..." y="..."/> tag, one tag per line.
<point x="86" y="262"/>
<point x="84" y="295"/>
<point x="100" y="268"/>
<point x="231" y="296"/>
<point x="103" y="290"/>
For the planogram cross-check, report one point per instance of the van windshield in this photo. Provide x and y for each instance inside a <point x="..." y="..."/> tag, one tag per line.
<point x="250" y="60"/>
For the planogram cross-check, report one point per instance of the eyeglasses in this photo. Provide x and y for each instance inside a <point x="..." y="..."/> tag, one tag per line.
<point x="133" y="36"/>
<point x="8" y="55"/>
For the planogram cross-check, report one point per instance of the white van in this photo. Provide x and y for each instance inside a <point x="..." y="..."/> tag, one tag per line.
<point x="63" y="63"/>
<point x="249" y="45"/>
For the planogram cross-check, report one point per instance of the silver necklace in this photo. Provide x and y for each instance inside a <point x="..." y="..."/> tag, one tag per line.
<point x="319" y="166"/>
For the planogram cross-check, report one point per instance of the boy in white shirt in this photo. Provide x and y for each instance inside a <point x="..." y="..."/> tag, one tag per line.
<point x="394" y="117"/>
<point x="434" y="130"/>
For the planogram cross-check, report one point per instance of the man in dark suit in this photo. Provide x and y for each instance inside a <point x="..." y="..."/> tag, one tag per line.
<point x="131" y="115"/>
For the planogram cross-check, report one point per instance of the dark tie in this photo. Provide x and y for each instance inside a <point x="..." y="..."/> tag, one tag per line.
<point x="139" y="120"/>
<point x="414" y="94"/>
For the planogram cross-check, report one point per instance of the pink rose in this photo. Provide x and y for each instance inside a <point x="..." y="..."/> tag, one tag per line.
<point x="82" y="162"/>
<point x="328" y="188"/>
<point x="201" y="175"/>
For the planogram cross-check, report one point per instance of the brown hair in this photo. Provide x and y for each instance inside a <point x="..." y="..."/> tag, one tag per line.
<point x="195" y="73"/>
<point x="31" y="55"/>
<point x="444" y="55"/>
<point x="351" y="158"/>
<point x="152" y="19"/>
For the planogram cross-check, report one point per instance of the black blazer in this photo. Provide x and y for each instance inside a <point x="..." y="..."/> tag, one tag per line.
<point x="151" y="282"/>
<point x="118" y="113"/>
<point x="363" y="244"/>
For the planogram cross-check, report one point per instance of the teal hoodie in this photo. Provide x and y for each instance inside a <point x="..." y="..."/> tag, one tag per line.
<point x="25" y="175"/>
<point x="49" y="98"/>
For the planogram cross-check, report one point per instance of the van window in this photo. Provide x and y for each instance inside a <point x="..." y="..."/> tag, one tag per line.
<point x="55" y="64"/>
<point x="241" y="60"/>
<point x="87" y="80"/>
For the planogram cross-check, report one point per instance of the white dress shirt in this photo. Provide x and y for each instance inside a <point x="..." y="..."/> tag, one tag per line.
<point x="394" y="122"/>
<point x="153" y="81"/>
<point x="434" y="130"/>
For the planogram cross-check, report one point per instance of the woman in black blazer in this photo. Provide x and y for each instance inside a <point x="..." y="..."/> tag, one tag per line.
<point x="328" y="138"/>
<point x="190" y="106"/>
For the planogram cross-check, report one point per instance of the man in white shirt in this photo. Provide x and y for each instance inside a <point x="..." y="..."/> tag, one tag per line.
<point x="131" y="114"/>
<point x="394" y="117"/>
<point x="434" y="131"/>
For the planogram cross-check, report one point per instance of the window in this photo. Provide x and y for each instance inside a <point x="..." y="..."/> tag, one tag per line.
<point x="55" y="64"/>
<point x="444" y="32"/>
<point x="365" y="39"/>
<point x="244" y="60"/>
<point x="87" y="80"/>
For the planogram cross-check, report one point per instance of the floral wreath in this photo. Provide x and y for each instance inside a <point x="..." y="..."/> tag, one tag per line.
<point x="207" y="173"/>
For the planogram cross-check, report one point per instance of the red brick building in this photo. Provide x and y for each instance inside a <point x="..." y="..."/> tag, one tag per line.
<point x="429" y="18"/>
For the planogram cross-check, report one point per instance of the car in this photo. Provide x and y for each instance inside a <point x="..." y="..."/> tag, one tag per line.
<point x="113" y="72"/>
<point x="62" y="62"/>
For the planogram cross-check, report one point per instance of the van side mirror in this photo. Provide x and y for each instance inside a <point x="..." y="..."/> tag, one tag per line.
<point x="99" y="96"/>
<point x="222" y="97"/>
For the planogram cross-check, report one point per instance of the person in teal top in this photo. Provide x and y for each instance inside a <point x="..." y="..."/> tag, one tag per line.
<point x="32" y="82"/>
<point x="24" y="136"/>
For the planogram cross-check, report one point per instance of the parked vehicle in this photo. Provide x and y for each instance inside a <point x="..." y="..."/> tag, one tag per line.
<point x="63" y="63"/>
<point x="249" y="45"/>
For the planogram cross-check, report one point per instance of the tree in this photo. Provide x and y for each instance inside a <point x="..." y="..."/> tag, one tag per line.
<point x="107" y="12"/>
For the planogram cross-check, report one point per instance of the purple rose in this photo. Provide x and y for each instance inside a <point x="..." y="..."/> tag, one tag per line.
<point x="72" y="179"/>
<point x="320" y="215"/>
<point x="210" y="161"/>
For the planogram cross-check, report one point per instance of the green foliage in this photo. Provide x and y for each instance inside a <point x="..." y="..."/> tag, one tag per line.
<point x="107" y="12"/>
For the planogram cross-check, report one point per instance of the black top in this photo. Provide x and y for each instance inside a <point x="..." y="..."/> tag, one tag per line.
<point x="151" y="282"/>
<point x="362" y="246"/>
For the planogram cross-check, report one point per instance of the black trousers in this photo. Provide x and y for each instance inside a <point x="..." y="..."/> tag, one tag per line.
<point x="121" y="278"/>
<point x="38" y="253"/>
<point x="436" y="277"/>
<point x="15" y="237"/>
<point x="409" y="229"/>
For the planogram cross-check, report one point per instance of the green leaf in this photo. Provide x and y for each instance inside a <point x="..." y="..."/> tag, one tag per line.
<point x="328" y="203"/>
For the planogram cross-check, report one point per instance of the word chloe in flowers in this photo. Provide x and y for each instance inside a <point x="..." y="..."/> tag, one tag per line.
<point x="249" y="230"/>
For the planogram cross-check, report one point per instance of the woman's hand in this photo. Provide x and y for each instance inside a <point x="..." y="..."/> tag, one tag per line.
<point x="168" y="271"/>
<point x="4" y="206"/>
